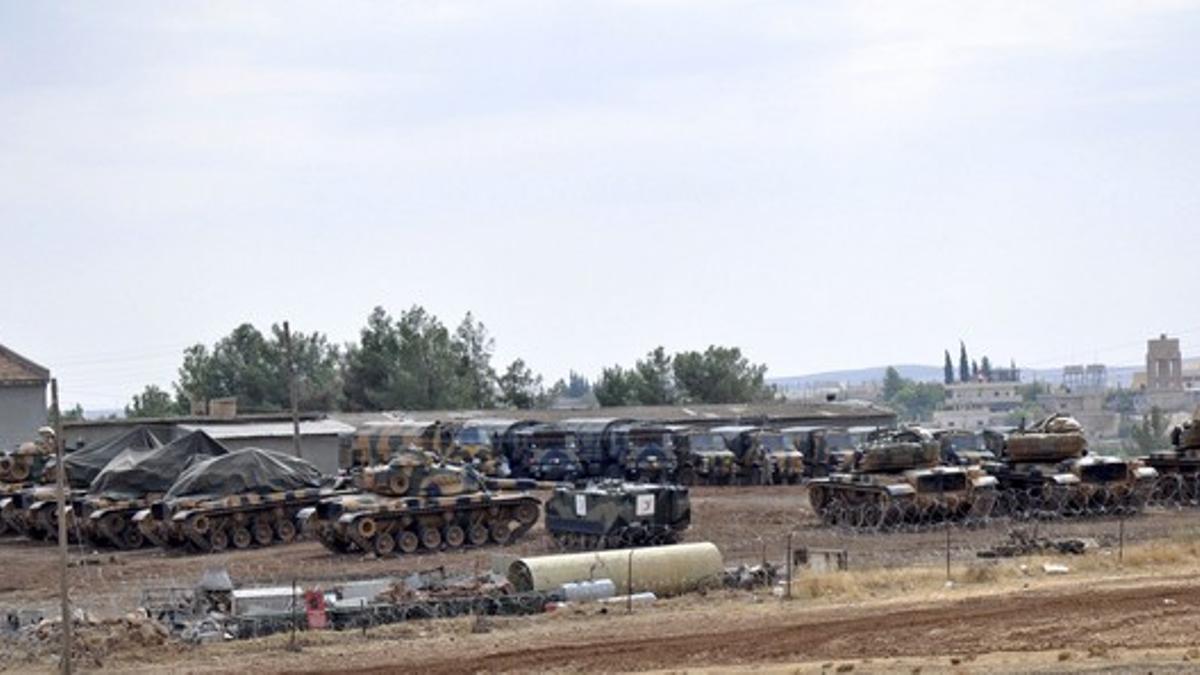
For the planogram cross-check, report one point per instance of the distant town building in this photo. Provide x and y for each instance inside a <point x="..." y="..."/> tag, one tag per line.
<point x="22" y="398"/>
<point x="978" y="405"/>
<point x="1092" y="377"/>
<point x="1164" y="364"/>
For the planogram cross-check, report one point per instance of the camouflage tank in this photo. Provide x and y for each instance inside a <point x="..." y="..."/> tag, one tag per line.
<point x="249" y="497"/>
<point x="1046" y="469"/>
<point x="20" y="471"/>
<point x="133" y="481"/>
<point x="417" y="503"/>
<point x="962" y="447"/>
<point x="479" y="443"/>
<point x="1179" y="467"/>
<point x="895" y="477"/>
<point x="613" y="514"/>
<point x="37" y="508"/>
<point x="704" y="457"/>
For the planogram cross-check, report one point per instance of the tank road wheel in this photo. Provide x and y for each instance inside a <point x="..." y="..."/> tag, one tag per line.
<point x="385" y="544"/>
<point x="477" y="534"/>
<point x="242" y="538"/>
<point x="398" y="484"/>
<point x="431" y="538"/>
<point x="500" y="532"/>
<point x="263" y="534"/>
<point x="286" y="531"/>
<point x="454" y="536"/>
<point x="365" y="527"/>
<point x="218" y="541"/>
<point x="200" y="524"/>
<point x="526" y="514"/>
<point x="20" y="472"/>
<point x="133" y="539"/>
<point x="407" y="541"/>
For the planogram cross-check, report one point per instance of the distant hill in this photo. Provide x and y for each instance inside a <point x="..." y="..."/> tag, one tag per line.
<point x="1117" y="376"/>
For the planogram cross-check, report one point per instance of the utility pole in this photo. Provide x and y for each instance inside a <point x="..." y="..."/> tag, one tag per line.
<point x="56" y="435"/>
<point x="292" y="390"/>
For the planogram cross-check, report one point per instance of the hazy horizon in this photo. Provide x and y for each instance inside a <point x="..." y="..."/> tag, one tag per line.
<point x="831" y="186"/>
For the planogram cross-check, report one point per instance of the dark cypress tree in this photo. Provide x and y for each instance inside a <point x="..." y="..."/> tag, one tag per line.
<point x="985" y="367"/>
<point x="974" y="370"/>
<point x="949" y="369"/>
<point x="964" y="364"/>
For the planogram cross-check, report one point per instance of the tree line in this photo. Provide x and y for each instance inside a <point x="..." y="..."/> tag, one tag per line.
<point x="416" y="362"/>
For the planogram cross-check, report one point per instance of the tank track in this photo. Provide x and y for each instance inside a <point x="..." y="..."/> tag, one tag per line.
<point x="407" y="525"/>
<point x="238" y="522"/>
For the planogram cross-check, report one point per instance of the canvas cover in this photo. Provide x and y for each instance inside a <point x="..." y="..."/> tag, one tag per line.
<point x="84" y="465"/>
<point x="136" y="473"/>
<point x="246" y="471"/>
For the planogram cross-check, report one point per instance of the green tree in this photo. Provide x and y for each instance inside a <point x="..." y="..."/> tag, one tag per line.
<point x="370" y="366"/>
<point x="473" y="349"/>
<point x="152" y="402"/>
<point x="964" y="364"/>
<point x="426" y="373"/>
<point x="721" y="375"/>
<point x="1152" y="433"/>
<point x="519" y="387"/>
<point x="948" y="368"/>
<point x="578" y="385"/>
<point x="616" y="387"/>
<point x="892" y="383"/>
<point x="73" y="414"/>
<point x="985" y="369"/>
<point x="655" y="380"/>
<point x="974" y="370"/>
<point x="916" y="401"/>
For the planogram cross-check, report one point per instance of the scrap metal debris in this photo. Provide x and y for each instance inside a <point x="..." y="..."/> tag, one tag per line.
<point x="1021" y="543"/>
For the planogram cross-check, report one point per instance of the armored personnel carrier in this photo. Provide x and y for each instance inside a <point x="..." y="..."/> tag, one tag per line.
<point x="1046" y="470"/>
<point x="132" y="481"/>
<point x="895" y="477"/>
<point x="1179" y="467"/>
<point x="613" y="514"/>
<point x="704" y="457"/>
<point x="415" y="502"/>
<point x="249" y="497"/>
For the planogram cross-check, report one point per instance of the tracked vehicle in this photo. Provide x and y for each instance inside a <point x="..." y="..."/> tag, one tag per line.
<point x="1046" y="470"/>
<point x="133" y="481"/>
<point x="417" y="503"/>
<point x="20" y="471"/>
<point x="894" y="478"/>
<point x="377" y="442"/>
<point x="249" y="497"/>
<point x="1179" y="467"/>
<point x="613" y="514"/>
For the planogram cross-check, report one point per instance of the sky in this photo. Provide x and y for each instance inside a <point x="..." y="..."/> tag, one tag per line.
<point x="826" y="185"/>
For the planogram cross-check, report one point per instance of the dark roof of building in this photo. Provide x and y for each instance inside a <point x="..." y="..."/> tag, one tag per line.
<point x="16" y="369"/>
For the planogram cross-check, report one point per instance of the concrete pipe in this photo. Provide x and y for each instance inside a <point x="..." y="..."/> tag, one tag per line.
<point x="662" y="570"/>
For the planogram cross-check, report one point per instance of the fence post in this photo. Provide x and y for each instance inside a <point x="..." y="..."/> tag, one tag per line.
<point x="788" y="553"/>
<point x="629" y="586"/>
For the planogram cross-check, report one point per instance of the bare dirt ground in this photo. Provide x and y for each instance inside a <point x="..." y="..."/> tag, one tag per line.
<point x="890" y="612"/>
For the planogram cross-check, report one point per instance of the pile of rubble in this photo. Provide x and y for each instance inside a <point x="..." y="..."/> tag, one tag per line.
<point x="1022" y="543"/>
<point x="93" y="639"/>
<point x="437" y="584"/>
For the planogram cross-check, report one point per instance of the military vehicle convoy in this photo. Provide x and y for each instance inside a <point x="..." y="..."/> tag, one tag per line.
<point x="1179" y="467"/>
<point x="414" y="503"/>
<point x="1046" y="469"/>
<point x="765" y="456"/>
<point x="896" y="477"/>
<point x="249" y="497"/>
<point x="623" y="448"/>
<point x="133" y="481"/>
<point x="614" y="514"/>
<point x="703" y="456"/>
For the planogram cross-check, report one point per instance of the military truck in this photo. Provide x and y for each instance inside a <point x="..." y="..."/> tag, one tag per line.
<point x="249" y="497"/>
<point x="545" y="452"/>
<point x="484" y="444"/>
<point x="417" y="503"/>
<point x="614" y="514"/>
<point x="133" y="481"/>
<point x="895" y="478"/>
<point x="827" y="449"/>
<point x="704" y="457"/>
<point x="764" y="456"/>
<point x="963" y="447"/>
<point x="623" y="448"/>
<point x="1046" y="469"/>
